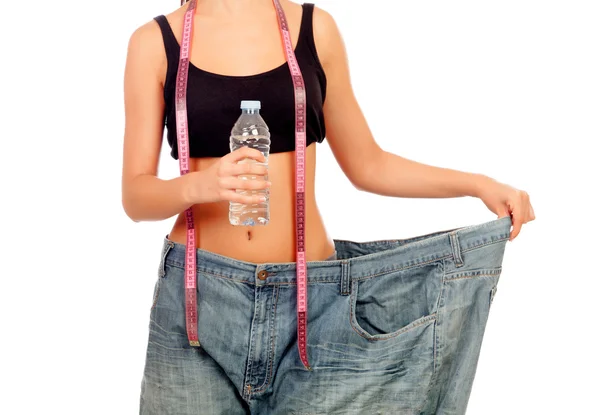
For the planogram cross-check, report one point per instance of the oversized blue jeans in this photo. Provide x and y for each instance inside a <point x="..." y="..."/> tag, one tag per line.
<point x="394" y="327"/>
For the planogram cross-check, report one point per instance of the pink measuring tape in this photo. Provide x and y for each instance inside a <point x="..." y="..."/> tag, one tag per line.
<point x="191" y="308"/>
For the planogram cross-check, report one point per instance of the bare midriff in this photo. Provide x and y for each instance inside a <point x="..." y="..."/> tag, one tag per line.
<point x="274" y="242"/>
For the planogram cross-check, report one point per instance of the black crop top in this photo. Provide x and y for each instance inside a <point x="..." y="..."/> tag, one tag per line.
<point x="213" y="100"/>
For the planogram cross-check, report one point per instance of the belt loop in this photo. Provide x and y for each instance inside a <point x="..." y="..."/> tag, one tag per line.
<point x="345" y="280"/>
<point x="455" y="244"/>
<point x="167" y="245"/>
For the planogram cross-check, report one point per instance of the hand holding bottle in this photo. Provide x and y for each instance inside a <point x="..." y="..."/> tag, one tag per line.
<point x="220" y="181"/>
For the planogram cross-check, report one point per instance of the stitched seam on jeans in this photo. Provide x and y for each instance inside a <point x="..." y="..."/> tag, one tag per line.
<point x="162" y="272"/>
<point x="440" y="260"/>
<point x="269" y="378"/>
<point x="431" y="380"/>
<point x="492" y="295"/>
<point x="223" y="277"/>
<point x="436" y="330"/>
<point x="162" y="346"/>
<point x="163" y="260"/>
<point x="437" y="308"/>
<point x="252" y="348"/>
<point x="484" y="245"/>
<point x="313" y="280"/>
<point x="155" y="299"/>
<point x="483" y="274"/>
<point x="157" y="350"/>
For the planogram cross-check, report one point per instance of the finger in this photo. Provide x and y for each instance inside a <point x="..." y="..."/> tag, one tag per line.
<point x="247" y="168"/>
<point x="232" y="196"/>
<point x="243" y="153"/>
<point x="531" y="213"/>
<point x="517" y="223"/>
<point x="241" y="184"/>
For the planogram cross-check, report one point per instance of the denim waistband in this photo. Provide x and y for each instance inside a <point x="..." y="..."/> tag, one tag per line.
<point x="362" y="258"/>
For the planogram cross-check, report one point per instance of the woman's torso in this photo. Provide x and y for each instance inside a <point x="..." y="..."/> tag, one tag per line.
<point x="217" y="56"/>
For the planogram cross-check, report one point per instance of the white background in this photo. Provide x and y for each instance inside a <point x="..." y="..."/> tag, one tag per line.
<point x="510" y="89"/>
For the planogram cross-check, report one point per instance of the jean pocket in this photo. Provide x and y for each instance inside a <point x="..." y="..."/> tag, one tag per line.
<point x="387" y="305"/>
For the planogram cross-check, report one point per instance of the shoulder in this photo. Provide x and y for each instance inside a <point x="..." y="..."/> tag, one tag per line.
<point x="146" y="48"/>
<point x="147" y="38"/>
<point x="328" y="39"/>
<point x="323" y="20"/>
<point x="145" y="42"/>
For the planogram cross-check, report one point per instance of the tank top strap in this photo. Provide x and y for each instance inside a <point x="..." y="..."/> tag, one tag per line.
<point x="306" y="30"/>
<point x="169" y="39"/>
<point x="307" y="13"/>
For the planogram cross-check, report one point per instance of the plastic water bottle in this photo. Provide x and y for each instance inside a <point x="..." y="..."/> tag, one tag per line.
<point x="250" y="130"/>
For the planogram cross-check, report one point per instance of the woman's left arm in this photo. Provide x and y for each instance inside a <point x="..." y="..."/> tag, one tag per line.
<point x="369" y="168"/>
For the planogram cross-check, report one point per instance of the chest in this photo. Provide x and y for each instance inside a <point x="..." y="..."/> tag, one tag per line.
<point x="213" y="106"/>
<point x="241" y="46"/>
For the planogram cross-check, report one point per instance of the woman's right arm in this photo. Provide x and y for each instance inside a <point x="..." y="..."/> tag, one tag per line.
<point x="145" y="197"/>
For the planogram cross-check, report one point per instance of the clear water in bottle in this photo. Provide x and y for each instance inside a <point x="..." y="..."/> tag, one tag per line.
<point x="250" y="130"/>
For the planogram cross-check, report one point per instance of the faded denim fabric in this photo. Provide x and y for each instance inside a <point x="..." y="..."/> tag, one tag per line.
<point x="394" y="327"/>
